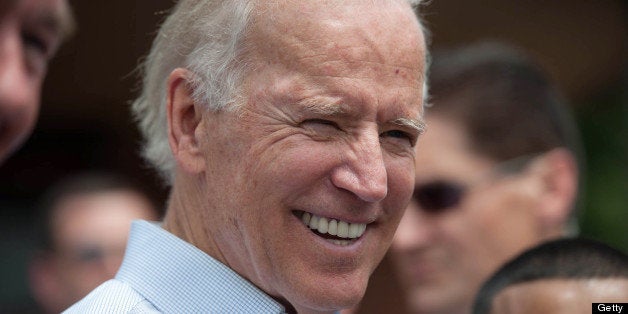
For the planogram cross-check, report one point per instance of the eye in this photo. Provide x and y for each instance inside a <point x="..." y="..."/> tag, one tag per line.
<point x="36" y="52"/>
<point x="89" y="255"/>
<point x="320" y="125"/>
<point x="320" y="129"/>
<point x="33" y="41"/>
<point x="439" y="196"/>
<point x="321" y="122"/>
<point x="400" y="135"/>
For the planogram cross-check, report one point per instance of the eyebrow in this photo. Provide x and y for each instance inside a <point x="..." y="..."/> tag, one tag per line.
<point x="416" y="124"/>
<point x="325" y="106"/>
<point x="329" y="106"/>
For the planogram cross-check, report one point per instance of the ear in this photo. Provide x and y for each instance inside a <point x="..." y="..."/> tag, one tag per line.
<point x="185" y="125"/>
<point x="558" y="172"/>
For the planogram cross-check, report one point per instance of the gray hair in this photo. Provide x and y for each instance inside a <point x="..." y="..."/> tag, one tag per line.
<point x="207" y="38"/>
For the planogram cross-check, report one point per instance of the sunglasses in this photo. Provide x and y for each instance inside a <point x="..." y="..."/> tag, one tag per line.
<point x="437" y="196"/>
<point x="441" y="195"/>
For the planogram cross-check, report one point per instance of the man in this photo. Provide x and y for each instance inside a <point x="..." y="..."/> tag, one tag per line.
<point x="496" y="174"/>
<point x="287" y="131"/>
<point x="560" y="276"/>
<point x="84" y="227"/>
<point x="30" y="33"/>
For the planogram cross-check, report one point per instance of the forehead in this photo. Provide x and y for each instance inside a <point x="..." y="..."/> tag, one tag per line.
<point x="444" y="152"/>
<point x="98" y="211"/>
<point x="362" y="52"/>
<point x="331" y="38"/>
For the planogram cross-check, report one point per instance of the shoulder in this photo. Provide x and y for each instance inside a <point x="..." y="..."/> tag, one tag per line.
<point x="113" y="296"/>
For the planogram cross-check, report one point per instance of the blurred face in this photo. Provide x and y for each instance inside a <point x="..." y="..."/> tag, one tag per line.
<point x="90" y="237"/>
<point x="316" y="168"/>
<point x="30" y="32"/>
<point x="463" y="222"/>
<point x="560" y="296"/>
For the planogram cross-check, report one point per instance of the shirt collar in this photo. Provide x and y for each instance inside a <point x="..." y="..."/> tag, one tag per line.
<point x="175" y="276"/>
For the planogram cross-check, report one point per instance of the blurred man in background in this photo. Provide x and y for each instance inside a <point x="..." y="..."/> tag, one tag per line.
<point x="559" y="276"/>
<point x="496" y="173"/>
<point x="30" y="34"/>
<point x="83" y="230"/>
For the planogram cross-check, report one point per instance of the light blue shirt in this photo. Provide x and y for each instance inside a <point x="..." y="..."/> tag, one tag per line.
<point x="164" y="274"/>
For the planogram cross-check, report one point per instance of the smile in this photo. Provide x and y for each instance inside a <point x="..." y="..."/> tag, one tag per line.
<point x="335" y="231"/>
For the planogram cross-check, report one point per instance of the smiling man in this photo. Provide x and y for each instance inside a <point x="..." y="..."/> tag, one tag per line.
<point x="287" y="132"/>
<point x="30" y="34"/>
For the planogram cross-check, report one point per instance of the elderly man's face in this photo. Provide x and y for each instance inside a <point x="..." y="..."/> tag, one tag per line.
<point x="30" y="32"/>
<point x="307" y="182"/>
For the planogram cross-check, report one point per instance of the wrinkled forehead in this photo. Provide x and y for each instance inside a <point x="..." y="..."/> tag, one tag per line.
<point x="298" y="33"/>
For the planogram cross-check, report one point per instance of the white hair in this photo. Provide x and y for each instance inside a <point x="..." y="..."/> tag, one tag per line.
<point x="207" y="38"/>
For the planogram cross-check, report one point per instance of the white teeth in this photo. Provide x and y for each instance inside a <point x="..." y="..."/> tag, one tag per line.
<point x="314" y="222"/>
<point x="343" y="229"/>
<point x="322" y="225"/>
<point x="334" y="227"/>
<point x="306" y="218"/>
<point x="353" y="230"/>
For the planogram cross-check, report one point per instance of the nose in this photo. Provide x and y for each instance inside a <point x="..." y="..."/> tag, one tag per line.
<point x="413" y="232"/>
<point x="15" y="82"/>
<point x="19" y="93"/>
<point x="363" y="171"/>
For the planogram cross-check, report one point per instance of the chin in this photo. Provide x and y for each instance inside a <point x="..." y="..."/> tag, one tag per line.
<point x="435" y="300"/>
<point x="329" y="297"/>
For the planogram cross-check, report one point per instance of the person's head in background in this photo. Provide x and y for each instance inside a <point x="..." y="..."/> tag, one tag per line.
<point x="83" y="228"/>
<point x="30" y="34"/>
<point x="560" y="276"/>
<point x="496" y="173"/>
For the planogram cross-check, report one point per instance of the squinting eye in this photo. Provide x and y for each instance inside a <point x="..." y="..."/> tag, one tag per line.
<point x="317" y="123"/>
<point x="321" y="121"/>
<point x="400" y="135"/>
<point x="35" y="42"/>
<point x="36" y="53"/>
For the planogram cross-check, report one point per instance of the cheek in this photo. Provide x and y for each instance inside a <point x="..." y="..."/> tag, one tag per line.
<point x="294" y="168"/>
<point x="17" y="121"/>
<point x="23" y="115"/>
<point x="400" y="184"/>
<point x="400" y="187"/>
<point x="502" y="225"/>
<point x="19" y="97"/>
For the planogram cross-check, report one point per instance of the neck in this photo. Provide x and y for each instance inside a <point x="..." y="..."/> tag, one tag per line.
<point x="187" y="216"/>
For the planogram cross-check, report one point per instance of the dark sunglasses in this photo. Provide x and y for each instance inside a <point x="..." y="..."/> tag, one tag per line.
<point x="437" y="196"/>
<point x="440" y="195"/>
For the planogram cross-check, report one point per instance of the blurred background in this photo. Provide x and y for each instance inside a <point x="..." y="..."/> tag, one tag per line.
<point x="85" y="123"/>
